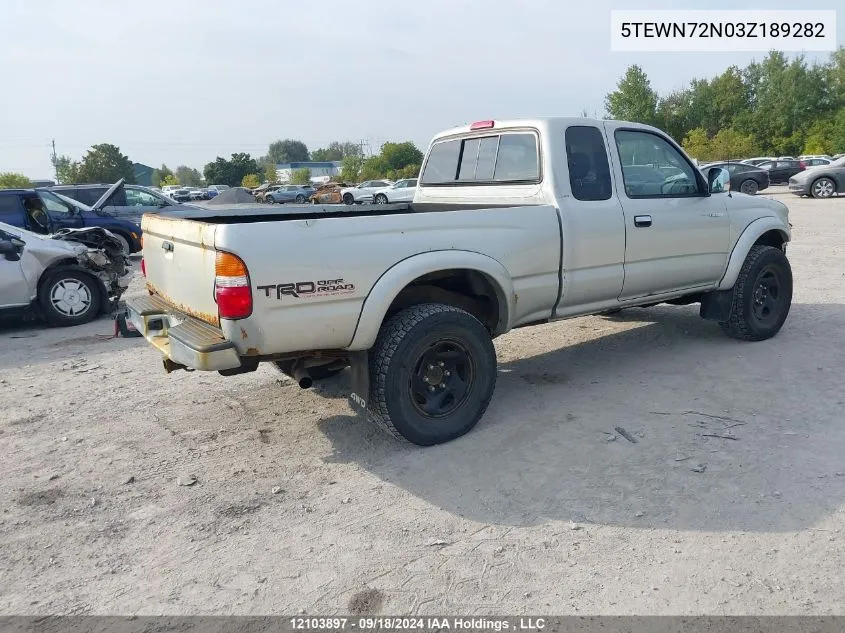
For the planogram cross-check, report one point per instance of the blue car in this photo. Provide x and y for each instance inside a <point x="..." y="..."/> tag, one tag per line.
<point x="42" y="211"/>
<point x="290" y="193"/>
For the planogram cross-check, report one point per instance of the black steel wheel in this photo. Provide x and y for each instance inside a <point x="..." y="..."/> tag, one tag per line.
<point x="761" y="296"/>
<point x="432" y="374"/>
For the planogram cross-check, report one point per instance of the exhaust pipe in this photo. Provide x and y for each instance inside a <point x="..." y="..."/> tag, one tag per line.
<point x="302" y="377"/>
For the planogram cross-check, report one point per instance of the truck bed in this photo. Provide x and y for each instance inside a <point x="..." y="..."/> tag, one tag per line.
<point x="246" y="214"/>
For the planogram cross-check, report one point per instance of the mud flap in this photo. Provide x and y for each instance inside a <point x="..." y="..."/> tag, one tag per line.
<point x="716" y="306"/>
<point x="359" y="364"/>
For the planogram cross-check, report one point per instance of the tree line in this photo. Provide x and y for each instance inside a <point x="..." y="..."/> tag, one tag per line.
<point x="106" y="163"/>
<point x="772" y="107"/>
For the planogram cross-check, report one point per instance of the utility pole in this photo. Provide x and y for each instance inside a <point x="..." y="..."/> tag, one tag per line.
<point x="55" y="162"/>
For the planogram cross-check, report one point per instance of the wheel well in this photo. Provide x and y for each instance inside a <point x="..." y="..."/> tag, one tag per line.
<point x="469" y="290"/>
<point x="771" y="238"/>
<point x="826" y="178"/>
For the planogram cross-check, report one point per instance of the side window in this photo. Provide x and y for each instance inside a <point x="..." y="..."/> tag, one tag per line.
<point x="10" y="208"/>
<point x="139" y="198"/>
<point x="89" y="195"/>
<point x="653" y="168"/>
<point x="589" y="171"/>
<point x="412" y="183"/>
<point x="55" y="207"/>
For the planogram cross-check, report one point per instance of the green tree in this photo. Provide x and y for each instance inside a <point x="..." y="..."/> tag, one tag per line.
<point x="301" y="176"/>
<point x="161" y="174"/>
<point x="67" y="170"/>
<point x="697" y="144"/>
<point x="169" y="180"/>
<point x="105" y="163"/>
<point x="336" y="151"/>
<point x="11" y="180"/>
<point x="250" y="181"/>
<point x="633" y="99"/>
<point x="730" y="143"/>
<point x="270" y="174"/>
<point x="230" y="172"/>
<point x="399" y="155"/>
<point x="374" y="167"/>
<point x="188" y="176"/>
<point x="350" y="168"/>
<point x="287" y="151"/>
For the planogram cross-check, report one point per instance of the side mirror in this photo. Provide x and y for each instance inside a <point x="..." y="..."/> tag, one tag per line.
<point x="718" y="180"/>
<point x="10" y="250"/>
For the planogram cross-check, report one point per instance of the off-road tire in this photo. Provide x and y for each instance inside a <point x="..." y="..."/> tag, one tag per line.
<point x="52" y="314"/>
<point x="402" y="342"/>
<point x="743" y="324"/>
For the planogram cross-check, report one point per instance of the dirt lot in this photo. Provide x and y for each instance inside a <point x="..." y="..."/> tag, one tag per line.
<point x="300" y="507"/>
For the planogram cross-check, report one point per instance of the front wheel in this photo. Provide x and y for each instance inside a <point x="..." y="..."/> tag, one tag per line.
<point x="749" y="187"/>
<point x="761" y="296"/>
<point x="348" y="198"/>
<point x="69" y="298"/>
<point x="300" y="199"/>
<point x="823" y="188"/>
<point x="432" y="374"/>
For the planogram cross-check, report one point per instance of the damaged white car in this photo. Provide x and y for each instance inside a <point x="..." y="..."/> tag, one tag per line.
<point x="69" y="277"/>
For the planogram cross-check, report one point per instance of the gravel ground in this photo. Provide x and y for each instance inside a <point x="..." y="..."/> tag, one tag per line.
<point x="730" y="501"/>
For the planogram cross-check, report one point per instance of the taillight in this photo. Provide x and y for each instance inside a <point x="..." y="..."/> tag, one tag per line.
<point x="231" y="287"/>
<point x="802" y="165"/>
<point x="143" y="268"/>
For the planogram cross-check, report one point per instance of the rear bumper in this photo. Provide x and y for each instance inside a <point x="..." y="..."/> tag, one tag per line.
<point x="181" y="338"/>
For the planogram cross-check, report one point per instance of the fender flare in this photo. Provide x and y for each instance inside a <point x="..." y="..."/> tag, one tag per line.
<point x="746" y="240"/>
<point x="396" y="278"/>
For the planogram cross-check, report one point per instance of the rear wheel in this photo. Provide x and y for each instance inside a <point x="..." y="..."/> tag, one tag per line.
<point x="749" y="187"/>
<point x="68" y="297"/>
<point x="432" y="374"/>
<point x="823" y="188"/>
<point x="762" y="295"/>
<point x="300" y="199"/>
<point x="348" y="198"/>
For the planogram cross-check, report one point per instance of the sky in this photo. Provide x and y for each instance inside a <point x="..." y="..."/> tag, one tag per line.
<point x="184" y="81"/>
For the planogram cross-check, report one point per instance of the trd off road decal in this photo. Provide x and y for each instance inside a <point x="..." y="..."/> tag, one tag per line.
<point x="307" y="289"/>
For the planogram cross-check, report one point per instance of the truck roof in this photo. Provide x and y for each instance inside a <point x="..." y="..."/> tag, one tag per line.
<point x="541" y="123"/>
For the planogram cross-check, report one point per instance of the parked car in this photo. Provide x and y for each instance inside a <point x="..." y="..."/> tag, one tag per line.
<point x="168" y="190"/>
<point x="815" y="162"/>
<point x="261" y="191"/>
<point x="198" y="193"/>
<point x="363" y="192"/>
<point x="756" y="161"/>
<point x="806" y="157"/>
<point x="182" y="194"/>
<point x="823" y="181"/>
<point x="745" y="178"/>
<point x="42" y="211"/>
<point x="129" y="201"/>
<point x="290" y="193"/>
<point x="329" y="193"/>
<point x="214" y="190"/>
<point x="780" y="171"/>
<point x="400" y="191"/>
<point x="68" y="277"/>
<point x="513" y="223"/>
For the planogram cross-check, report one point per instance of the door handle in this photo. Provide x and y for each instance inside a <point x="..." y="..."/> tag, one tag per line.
<point x="642" y="221"/>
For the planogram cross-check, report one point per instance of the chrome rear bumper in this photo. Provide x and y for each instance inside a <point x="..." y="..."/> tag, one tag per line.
<point x="181" y="338"/>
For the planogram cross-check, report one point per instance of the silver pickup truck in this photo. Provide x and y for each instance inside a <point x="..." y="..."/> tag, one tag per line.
<point x="513" y="223"/>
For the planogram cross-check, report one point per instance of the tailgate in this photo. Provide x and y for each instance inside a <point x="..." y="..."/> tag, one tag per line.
<point x="179" y="260"/>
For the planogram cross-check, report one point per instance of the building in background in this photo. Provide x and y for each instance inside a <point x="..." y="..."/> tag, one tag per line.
<point x="320" y="171"/>
<point x="143" y="174"/>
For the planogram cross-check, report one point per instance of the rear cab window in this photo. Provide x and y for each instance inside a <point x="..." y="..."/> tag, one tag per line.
<point x="505" y="157"/>
<point x="589" y="170"/>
